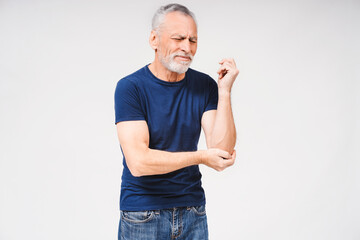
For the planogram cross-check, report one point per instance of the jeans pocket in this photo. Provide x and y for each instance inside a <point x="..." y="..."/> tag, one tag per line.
<point x="199" y="210"/>
<point x="137" y="217"/>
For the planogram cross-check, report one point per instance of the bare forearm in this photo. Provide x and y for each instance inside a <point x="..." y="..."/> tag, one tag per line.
<point x="224" y="133"/>
<point x="152" y="161"/>
<point x="142" y="161"/>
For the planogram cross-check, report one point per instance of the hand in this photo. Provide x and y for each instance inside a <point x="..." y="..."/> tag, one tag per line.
<point x="227" y="74"/>
<point x="218" y="159"/>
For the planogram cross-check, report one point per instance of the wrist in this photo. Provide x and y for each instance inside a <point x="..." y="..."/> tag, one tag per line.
<point x="201" y="156"/>
<point x="224" y="93"/>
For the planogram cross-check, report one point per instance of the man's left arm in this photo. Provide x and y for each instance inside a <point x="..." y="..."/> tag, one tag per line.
<point x="218" y="125"/>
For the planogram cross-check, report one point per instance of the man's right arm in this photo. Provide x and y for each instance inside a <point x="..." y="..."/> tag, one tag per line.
<point x="141" y="160"/>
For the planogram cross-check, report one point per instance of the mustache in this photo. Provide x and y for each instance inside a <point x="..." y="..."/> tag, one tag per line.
<point x="182" y="55"/>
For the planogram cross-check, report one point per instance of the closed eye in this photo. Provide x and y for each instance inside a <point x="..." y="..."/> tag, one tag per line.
<point x="178" y="38"/>
<point x="193" y="40"/>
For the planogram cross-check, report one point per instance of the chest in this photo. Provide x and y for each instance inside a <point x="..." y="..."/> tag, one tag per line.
<point x="173" y="116"/>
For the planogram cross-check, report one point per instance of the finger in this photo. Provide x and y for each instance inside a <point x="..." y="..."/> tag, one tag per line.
<point x="222" y="61"/>
<point x="222" y="73"/>
<point x="221" y="69"/>
<point x="229" y="162"/>
<point x="233" y="155"/>
<point x="231" y="64"/>
<point x="227" y="66"/>
<point x="224" y="154"/>
<point x="228" y="60"/>
<point x="225" y="60"/>
<point x="231" y="61"/>
<point x="224" y="68"/>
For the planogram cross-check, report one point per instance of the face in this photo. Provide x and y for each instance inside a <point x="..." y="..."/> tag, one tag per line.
<point x="177" y="42"/>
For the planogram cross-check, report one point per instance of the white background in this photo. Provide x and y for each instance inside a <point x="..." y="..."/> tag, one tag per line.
<point x="296" y="104"/>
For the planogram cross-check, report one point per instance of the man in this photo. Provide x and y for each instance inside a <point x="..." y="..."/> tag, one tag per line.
<point x="160" y="110"/>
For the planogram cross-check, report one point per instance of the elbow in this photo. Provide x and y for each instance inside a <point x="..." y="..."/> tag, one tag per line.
<point x="135" y="167"/>
<point x="224" y="144"/>
<point x="135" y="172"/>
<point x="138" y="162"/>
<point x="226" y="147"/>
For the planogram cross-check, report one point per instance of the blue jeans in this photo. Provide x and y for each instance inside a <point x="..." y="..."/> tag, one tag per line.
<point x="185" y="223"/>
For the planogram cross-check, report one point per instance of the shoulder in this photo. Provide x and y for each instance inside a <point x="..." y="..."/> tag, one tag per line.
<point x="132" y="79"/>
<point x="131" y="86"/>
<point x="135" y="81"/>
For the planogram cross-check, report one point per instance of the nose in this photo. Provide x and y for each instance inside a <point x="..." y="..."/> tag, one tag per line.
<point x="185" y="46"/>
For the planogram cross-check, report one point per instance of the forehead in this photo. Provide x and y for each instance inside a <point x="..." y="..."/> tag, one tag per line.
<point x="176" y="22"/>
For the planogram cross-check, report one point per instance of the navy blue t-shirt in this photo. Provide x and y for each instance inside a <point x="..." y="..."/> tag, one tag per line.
<point x="173" y="112"/>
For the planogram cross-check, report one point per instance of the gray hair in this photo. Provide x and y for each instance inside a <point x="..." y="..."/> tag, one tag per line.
<point x="160" y="14"/>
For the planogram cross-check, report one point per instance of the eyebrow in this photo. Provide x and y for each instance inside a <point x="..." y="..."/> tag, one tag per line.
<point x="182" y="37"/>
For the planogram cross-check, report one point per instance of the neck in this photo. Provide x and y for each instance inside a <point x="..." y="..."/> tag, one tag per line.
<point x="163" y="73"/>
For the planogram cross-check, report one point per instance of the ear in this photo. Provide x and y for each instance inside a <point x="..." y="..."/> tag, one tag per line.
<point x="154" y="40"/>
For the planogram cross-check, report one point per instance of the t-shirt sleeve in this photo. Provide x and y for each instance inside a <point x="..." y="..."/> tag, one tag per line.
<point x="127" y="102"/>
<point x="213" y="96"/>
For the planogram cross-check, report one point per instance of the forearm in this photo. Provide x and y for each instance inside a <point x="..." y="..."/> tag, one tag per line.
<point x="223" y="135"/>
<point x="152" y="162"/>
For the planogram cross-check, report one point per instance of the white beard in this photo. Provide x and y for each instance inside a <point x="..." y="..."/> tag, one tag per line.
<point x="170" y="63"/>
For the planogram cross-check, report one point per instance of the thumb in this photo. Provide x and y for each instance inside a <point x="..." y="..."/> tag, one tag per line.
<point x="224" y="154"/>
